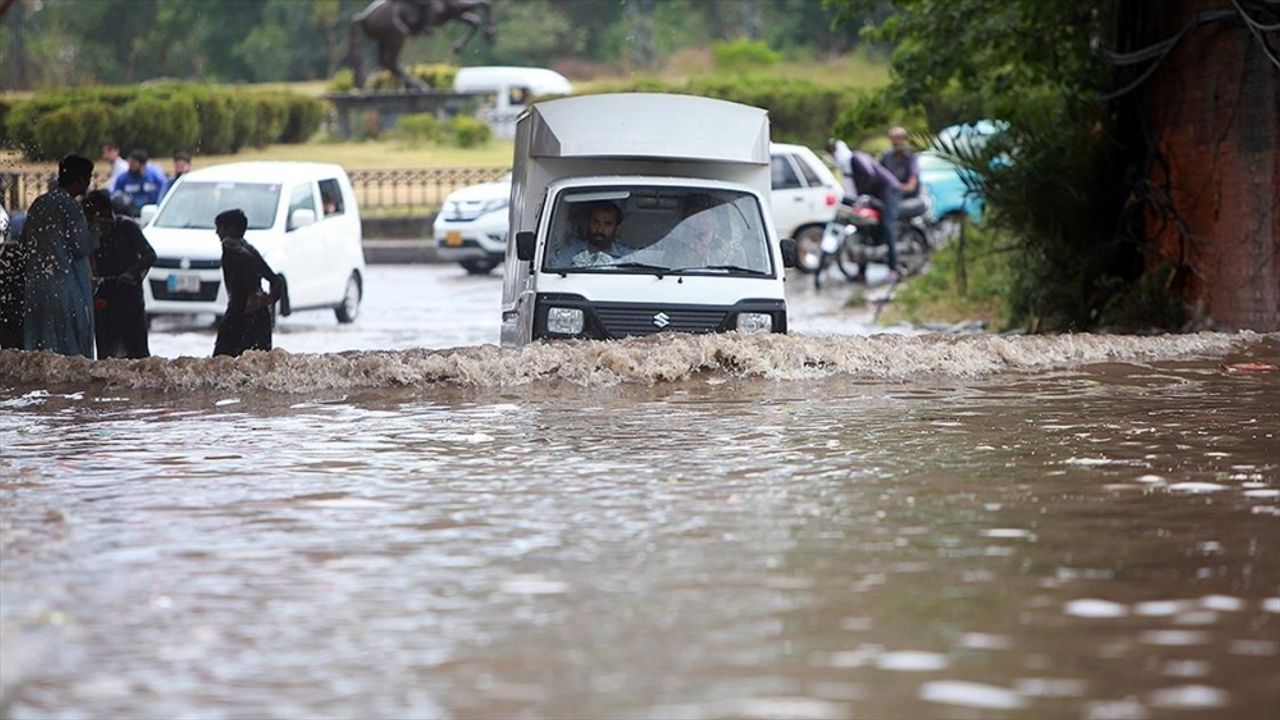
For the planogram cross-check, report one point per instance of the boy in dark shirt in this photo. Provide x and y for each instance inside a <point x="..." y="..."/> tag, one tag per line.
<point x="120" y="262"/>
<point x="247" y="322"/>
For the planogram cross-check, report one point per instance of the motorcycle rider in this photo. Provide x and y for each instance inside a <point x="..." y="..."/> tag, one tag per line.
<point x="901" y="161"/>
<point x="871" y="178"/>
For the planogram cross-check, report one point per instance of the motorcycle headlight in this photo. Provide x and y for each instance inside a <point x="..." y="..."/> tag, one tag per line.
<point x="750" y="323"/>
<point x="564" y="321"/>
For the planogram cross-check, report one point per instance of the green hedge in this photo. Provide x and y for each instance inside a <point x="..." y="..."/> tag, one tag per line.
<point x="203" y="119"/>
<point x="424" y="129"/>
<point x="437" y="76"/>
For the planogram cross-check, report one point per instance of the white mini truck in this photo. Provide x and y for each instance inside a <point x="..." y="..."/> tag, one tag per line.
<point x="694" y="249"/>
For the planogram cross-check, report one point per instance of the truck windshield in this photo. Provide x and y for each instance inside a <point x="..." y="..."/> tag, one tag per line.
<point x="196" y="204"/>
<point x="663" y="230"/>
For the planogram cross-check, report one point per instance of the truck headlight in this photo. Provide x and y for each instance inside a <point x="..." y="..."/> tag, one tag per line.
<point x="564" y="321"/>
<point x="750" y="323"/>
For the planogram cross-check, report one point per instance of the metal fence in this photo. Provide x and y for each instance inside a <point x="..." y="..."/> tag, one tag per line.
<point x="394" y="191"/>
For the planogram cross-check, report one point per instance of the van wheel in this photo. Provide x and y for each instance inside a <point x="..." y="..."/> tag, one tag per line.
<point x="478" y="266"/>
<point x="350" y="306"/>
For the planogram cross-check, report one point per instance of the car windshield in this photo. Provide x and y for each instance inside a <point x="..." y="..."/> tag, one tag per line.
<point x="196" y="204"/>
<point x="658" y="230"/>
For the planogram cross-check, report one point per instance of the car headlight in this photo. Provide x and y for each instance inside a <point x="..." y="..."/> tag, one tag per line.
<point x="495" y="205"/>
<point x="564" y="321"/>
<point x="750" y="323"/>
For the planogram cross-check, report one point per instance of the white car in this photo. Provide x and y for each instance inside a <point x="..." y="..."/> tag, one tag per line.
<point x="805" y="195"/>
<point x="471" y="227"/>
<point x="303" y="218"/>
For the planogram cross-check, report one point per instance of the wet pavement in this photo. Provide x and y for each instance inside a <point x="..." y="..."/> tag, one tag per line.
<point x="717" y="527"/>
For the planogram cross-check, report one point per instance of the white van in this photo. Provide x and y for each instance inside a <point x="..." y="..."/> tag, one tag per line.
<point x="513" y="88"/>
<point x="303" y="218"/>
<point x="676" y="187"/>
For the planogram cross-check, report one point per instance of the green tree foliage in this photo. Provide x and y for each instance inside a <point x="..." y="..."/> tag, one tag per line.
<point x="62" y="43"/>
<point x="1054" y="183"/>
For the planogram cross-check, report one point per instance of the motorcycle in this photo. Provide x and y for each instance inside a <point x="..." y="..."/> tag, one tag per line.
<point x="856" y="237"/>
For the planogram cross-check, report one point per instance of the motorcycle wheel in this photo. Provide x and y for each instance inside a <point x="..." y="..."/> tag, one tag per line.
<point x="845" y="260"/>
<point x="913" y="250"/>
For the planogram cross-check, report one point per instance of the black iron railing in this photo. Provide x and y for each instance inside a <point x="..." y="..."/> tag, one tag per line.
<point x="407" y="190"/>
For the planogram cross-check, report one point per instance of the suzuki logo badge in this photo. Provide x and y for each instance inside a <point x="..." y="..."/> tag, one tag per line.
<point x="185" y="263"/>
<point x="661" y="320"/>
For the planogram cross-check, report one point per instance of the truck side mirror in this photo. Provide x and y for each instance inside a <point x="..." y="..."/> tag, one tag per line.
<point x="525" y="245"/>
<point x="790" y="252"/>
<point x="148" y="214"/>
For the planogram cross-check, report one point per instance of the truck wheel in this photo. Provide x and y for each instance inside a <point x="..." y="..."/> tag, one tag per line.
<point x="478" y="266"/>
<point x="350" y="306"/>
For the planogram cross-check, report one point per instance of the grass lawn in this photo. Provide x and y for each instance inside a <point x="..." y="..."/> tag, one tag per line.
<point x="350" y="155"/>
<point x="375" y="155"/>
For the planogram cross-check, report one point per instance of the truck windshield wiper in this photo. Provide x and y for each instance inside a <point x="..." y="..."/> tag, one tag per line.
<point x="729" y="268"/>
<point x="659" y="270"/>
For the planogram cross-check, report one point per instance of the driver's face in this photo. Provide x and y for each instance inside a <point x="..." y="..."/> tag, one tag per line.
<point x="602" y="227"/>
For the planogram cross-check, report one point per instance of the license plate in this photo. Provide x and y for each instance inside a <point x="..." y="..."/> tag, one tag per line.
<point x="184" y="283"/>
<point x="453" y="238"/>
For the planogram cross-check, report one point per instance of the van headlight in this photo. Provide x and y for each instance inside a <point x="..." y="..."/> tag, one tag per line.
<point x="750" y="323"/>
<point x="564" y="321"/>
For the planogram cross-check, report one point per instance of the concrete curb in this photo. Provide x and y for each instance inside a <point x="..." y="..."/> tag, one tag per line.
<point x="396" y="252"/>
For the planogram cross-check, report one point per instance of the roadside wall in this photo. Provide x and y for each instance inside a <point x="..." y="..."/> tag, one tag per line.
<point x="1213" y="110"/>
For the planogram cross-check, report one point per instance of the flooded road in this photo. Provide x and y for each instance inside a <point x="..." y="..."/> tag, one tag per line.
<point x="726" y="527"/>
<point x="440" y="306"/>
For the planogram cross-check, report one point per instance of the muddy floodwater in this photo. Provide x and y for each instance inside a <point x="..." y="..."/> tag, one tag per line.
<point x="786" y="527"/>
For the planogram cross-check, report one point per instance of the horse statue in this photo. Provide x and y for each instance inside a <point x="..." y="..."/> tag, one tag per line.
<point x="389" y="23"/>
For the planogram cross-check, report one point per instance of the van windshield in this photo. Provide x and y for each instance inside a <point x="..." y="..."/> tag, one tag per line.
<point x="641" y="229"/>
<point x="196" y="204"/>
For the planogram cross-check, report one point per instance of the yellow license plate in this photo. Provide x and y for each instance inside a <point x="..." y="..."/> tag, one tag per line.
<point x="453" y="238"/>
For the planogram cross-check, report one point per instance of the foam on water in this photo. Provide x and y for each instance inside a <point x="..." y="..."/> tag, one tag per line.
<point x="664" y="358"/>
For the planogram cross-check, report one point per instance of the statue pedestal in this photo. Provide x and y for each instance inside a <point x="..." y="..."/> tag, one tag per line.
<point x="368" y="114"/>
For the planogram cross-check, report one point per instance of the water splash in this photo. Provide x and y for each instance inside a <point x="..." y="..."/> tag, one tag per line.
<point x="659" y="359"/>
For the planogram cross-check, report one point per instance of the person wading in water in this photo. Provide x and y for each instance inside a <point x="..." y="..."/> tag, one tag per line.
<point x="247" y="323"/>
<point x="120" y="262"/>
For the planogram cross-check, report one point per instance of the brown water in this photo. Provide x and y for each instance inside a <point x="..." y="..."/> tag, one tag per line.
<point x="788" y="527"/>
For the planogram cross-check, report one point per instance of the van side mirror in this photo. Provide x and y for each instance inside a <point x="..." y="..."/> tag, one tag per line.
<point x="790" y="252"/>
<point x="147" y="214"/>
<point x="301" y="217"/>
<point x="525" y="245"/>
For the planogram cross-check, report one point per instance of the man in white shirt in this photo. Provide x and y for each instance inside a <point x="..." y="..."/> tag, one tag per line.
<point x="119" y="166"/>
<point x="600" y="245"/>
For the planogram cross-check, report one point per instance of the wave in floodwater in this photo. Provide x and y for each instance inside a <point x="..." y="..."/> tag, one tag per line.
<point x="658" y="359"/>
